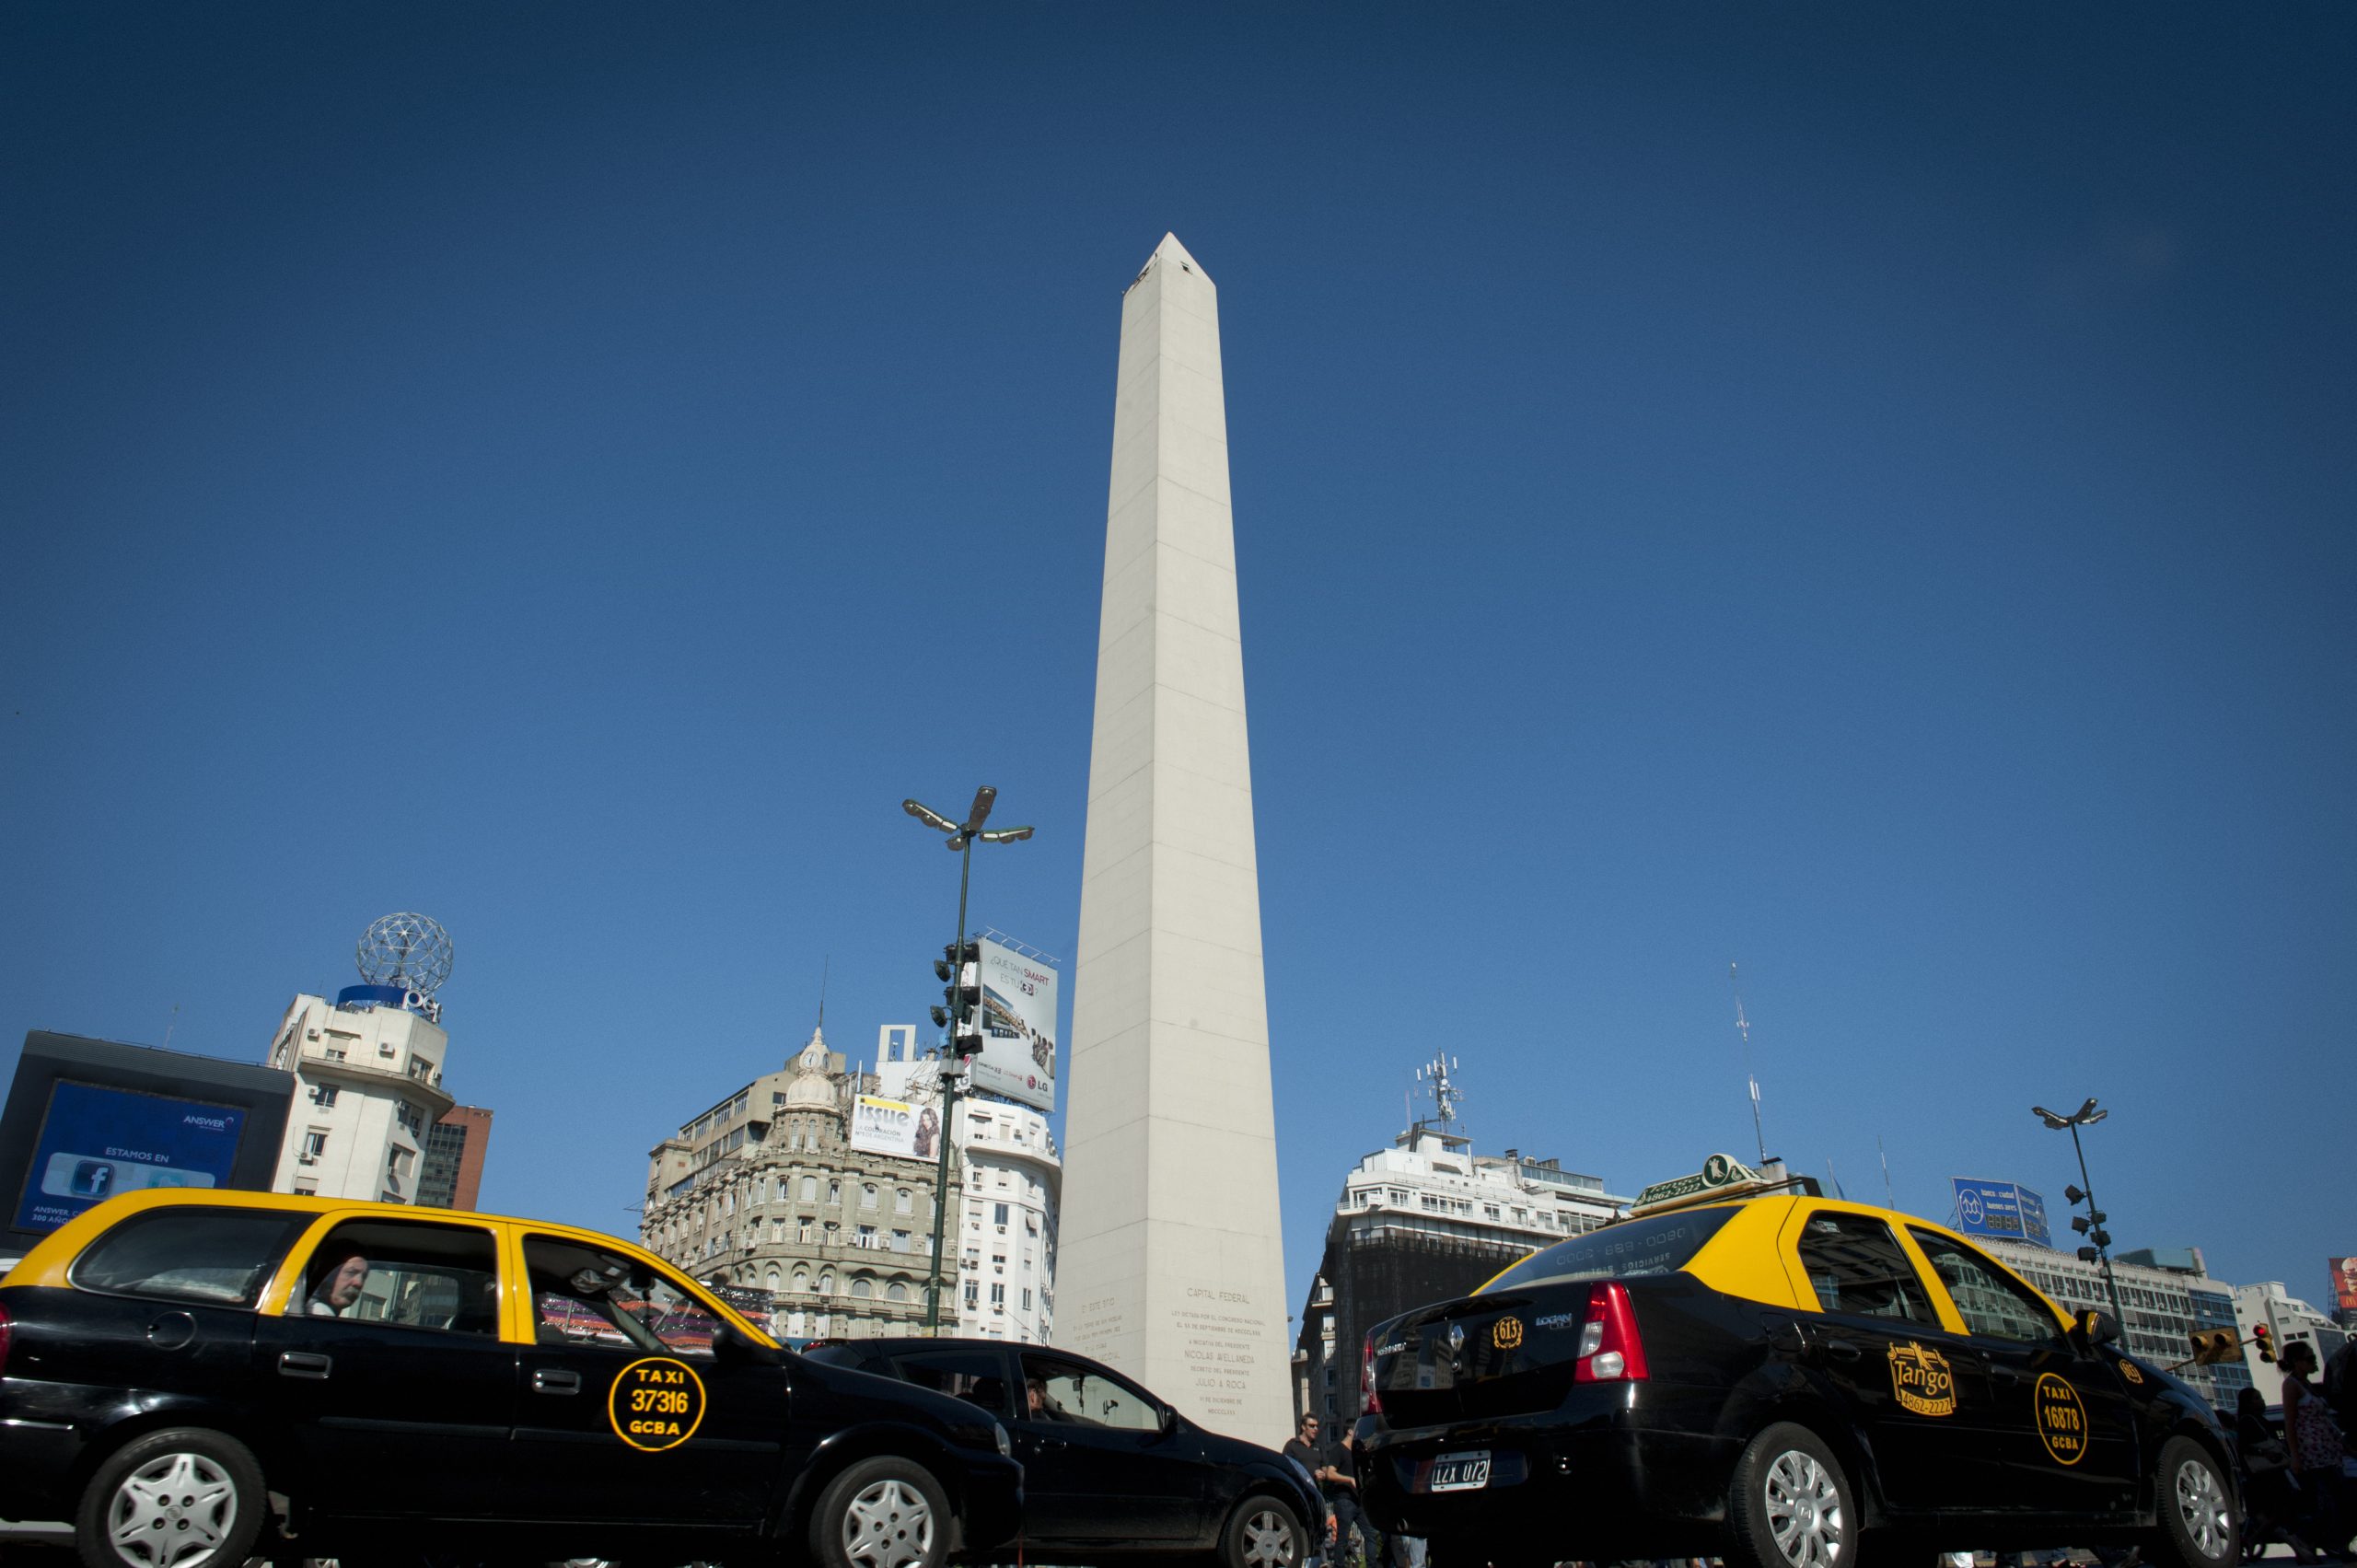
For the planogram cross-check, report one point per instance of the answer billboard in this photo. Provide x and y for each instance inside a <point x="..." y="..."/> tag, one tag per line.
<point x="1018" y="1055"/>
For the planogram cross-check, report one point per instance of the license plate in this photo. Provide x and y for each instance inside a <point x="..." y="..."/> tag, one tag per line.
<point x="1460" y="1472"/>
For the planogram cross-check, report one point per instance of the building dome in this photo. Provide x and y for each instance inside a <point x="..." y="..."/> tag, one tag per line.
<point x="813" y="1088"/>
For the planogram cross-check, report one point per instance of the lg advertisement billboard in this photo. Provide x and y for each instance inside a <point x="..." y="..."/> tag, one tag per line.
<point x="1018" y="1055"/>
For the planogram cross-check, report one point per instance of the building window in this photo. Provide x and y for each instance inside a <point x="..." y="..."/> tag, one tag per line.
<point x="896" y="1291"/>
<point x="867" y="1195"/>
<point x="323" y="1095"/>
<point x="972" y="1293"/>
<point x="801" y="1281"/>
<point x="835" y="1192"/>
<point x="1026" y="1299"/>
<point x="827" y="1282"/>
<point x="998" y="1214"/>
<point x="899" y="1241"/>
<point x="809" y="1189"/>
<point x="998" y="1298"/>
<point x="314" y="1144"/>
<point x="902" y="1203"/>
<point x="863" y="1287"/>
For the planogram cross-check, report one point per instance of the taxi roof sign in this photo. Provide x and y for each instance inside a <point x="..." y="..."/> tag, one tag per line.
<point x="1722" y="1176"/>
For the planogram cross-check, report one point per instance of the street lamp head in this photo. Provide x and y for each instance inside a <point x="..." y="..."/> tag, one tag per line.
<point x="928" y="815"/>
<point x="1005" y="835"/>
<point x="2098" y="1116"/>
<point x="2086" y="1112"/>
<point x="958" y="839"/>
<point x="2048" y="1117"/>
<point x="980" y="812"/>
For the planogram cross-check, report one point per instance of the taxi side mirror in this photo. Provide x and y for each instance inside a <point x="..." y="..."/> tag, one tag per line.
<point x="2092" y="1331"/>
<point x="729" y="1345"/>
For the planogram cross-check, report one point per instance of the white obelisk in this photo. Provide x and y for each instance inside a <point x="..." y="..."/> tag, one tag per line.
<point x="1172" y="1268"/>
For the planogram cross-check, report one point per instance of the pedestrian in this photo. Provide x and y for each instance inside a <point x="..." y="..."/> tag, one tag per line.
<point x="2274" y="1497"/>
<point x="2340" y="1381"/>
<point x="2313" y="1441"/>
<point x="1341" y="1482"/>
<point x="1302" y="1449"/>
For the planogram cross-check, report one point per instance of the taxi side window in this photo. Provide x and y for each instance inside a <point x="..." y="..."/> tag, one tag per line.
<point x="591" y="1299"/>
<point x="408" y="1273"/>
<point x="218" y="1257"/>
<point x="1855" y="1266"/>
<point x="1062" y="1392"/>
<point x="979" y="1378"/>
<point x="1990" y="1303"/>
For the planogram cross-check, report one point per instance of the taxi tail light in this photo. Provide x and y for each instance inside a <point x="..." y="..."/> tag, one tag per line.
<point x="1610" y="1350"/>
<point x="1371" y="1398"/>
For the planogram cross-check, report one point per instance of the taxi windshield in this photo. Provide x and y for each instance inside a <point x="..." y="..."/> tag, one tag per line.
<point x="1661" y="1245"/>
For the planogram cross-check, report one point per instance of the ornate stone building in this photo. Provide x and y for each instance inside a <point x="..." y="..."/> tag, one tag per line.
<point x="763" y="1195"/>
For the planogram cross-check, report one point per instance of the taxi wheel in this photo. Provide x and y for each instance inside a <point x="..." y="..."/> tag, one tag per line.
<point x="184" y="1498"/>
<point x="1264" y="1533"/>
<point x="882" y="1512"/>
<point x="2196" y="1509"/>
<point x="1791" y="1506"/>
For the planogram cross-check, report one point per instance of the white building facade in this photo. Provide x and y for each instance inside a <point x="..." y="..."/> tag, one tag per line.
<point x="1006" y="1234"/>
<point x="368" y="1089"/>
<point x="2288" y="1320"/>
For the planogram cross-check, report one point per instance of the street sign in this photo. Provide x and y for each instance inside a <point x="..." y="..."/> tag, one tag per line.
<point x="2003" y="1209"/>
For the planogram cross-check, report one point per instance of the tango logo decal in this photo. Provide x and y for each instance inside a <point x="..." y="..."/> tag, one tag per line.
<point x="1506" y="1333"/>
<point x="2130" y="1370"/>
<point x="1921" y="1380"/>
<point x="2061" y="1419"/>
<point x="656" y="1403"/>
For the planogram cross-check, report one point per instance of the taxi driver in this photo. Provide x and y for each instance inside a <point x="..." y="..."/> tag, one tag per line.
<point x="337" y="1275"/>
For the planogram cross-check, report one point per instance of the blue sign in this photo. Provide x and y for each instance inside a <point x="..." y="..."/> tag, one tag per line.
<point x="2003" y="1209"/>
<point x="98" y="1142"/>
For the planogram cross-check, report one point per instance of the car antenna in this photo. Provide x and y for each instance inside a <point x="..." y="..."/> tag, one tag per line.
<point x="1890" y="1200"/>
<point x="1743" y="1028"/>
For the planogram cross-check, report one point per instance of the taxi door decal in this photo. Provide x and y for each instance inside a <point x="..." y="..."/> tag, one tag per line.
<point x="655" y="1404"/>
<point x="1921" y="1380"/>
<point x="2061" y="1419"/>
<point x="2130" y="1370"/>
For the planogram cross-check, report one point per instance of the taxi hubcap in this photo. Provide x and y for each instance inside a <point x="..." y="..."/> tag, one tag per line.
<point x="1804" y="1511"/>
<point x="2203" y="1507"/>
<point x="172" y="1512"/>
<point x="1267" y="1540"/>
<point x="889" y="1525"/>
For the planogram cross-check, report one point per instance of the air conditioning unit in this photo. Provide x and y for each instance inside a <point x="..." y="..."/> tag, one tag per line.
<point x="307" y="1159"/>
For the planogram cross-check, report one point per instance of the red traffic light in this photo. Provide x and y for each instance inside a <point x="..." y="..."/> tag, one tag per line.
<point x="2263" y="1341"/>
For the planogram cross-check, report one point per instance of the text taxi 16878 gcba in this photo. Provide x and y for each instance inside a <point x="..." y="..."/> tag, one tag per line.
<point x="1747" y="1368"/>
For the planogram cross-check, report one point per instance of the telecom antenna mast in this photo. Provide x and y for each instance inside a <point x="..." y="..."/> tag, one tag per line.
<point x="1743" y="1028"/>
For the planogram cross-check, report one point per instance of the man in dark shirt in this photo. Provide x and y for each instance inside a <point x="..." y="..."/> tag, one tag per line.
<point x="1302" y="1449"/>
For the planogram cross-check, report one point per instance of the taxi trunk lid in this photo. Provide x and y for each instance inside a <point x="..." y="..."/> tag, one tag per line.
<point x="1485" y="1355"/>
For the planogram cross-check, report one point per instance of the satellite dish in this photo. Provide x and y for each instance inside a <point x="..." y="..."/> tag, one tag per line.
<point x="411" y="951"/>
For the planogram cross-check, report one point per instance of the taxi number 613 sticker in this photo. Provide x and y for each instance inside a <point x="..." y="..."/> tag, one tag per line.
<point x="655" y="1404"/>
<point x="2061" y="1419"/>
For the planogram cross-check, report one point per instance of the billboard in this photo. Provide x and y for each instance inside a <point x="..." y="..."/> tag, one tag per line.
<point x="2344" y="1282"/>
<point x="880" y="1126"/>
<point x="86" y="1119"/>
<point x="2004" y="1210"/>
<point x="1018" y="1055"/>
<point x="95" y="1142"/>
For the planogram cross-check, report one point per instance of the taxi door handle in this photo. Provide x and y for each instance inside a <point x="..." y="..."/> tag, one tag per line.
<point x="2000" y="1373"/>
<point x="1844" y="1350"/>
<point x="304" y="1364"/>
<point x="549" y="1380"/>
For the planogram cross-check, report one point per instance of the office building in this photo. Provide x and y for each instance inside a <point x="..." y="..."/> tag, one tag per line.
<point x="451" y="1174"/>
<point x="368" y="1071"/>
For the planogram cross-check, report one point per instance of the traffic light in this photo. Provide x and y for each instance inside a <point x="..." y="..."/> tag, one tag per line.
<point x="961" y="968"/>
<point x="2262" y="1340"/>
<point x="2089" y="1225"/>
<point x="2211" y="1346"/>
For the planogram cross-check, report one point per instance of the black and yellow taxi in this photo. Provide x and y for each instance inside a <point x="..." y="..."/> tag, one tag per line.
<point x="1746" y="1368"/>
<point x="193" y="1379"/>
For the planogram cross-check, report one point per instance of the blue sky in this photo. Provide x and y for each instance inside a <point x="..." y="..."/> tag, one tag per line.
<point x="1861" y="492"/>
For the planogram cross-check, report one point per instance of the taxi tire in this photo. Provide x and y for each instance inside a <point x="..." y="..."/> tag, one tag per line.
<point x="1788" y="1463"/>
<point x="197" y="1457"/>
<point x="890" y="1492"/>
<point x="1264" y="1533"/>
<point x="2193" y="1499"/>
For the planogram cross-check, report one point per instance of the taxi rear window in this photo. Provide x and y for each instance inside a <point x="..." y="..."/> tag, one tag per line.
<point x="222" y="1257"/>
<point x="1662" y="1244"/>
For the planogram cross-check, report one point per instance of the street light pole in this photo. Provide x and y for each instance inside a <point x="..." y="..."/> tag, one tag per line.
<point x="961" y="838"/>
<point x="2097" y="1237"/>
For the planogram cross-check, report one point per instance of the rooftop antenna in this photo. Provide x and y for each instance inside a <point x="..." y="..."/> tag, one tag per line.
<point x="171" y="1024"/>
<point x="825" y="966"/>
<point x="1889" y="1200"/>
<point x="1435" y="1075"/>
<point x="1743" y="1028"/>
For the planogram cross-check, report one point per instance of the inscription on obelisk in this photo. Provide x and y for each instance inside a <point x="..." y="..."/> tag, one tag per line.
<point x="1172" y="1267"/>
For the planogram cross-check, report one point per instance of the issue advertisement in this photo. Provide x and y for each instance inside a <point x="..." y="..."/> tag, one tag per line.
<point x="880" y="1126"/>
<point x="2344" y="1282"/>
<point x="98" y="1142"/>
<point x="1019" y="1056"/>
